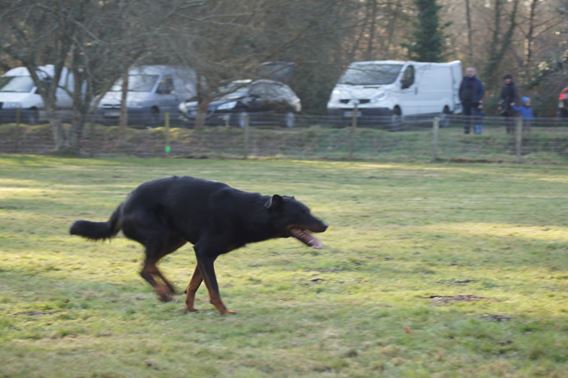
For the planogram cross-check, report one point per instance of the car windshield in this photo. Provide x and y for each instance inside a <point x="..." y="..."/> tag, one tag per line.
<point x="137" y="83"/>
<point x="20" y="84"/>
<point x="371" y="74"/>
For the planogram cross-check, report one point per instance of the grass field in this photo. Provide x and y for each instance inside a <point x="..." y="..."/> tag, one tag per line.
<point x="429" y="270"/>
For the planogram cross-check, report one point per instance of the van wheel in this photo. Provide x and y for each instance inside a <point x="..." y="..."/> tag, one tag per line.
<point x="396" y="119"/>
<point x="445" y="117"/>
<point x="32" y="116"/>
<point x="289" y="120"/>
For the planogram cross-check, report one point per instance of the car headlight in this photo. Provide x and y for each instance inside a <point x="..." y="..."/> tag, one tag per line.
<point x="378" y="97"/>
<point x="227" y="105"/>
<point x="335" y="95"/>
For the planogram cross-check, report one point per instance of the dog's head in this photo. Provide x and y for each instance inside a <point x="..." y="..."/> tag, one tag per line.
<point x="292" y="218"/>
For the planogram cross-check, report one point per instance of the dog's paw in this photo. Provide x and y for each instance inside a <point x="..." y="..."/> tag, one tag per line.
<point x="164" y="294"/>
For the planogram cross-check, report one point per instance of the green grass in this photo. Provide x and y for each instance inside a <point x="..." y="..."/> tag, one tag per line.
<point x="399" y="234"/>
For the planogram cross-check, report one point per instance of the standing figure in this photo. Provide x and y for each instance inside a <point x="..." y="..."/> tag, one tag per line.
<point x="526" y="112"/>
<point x="471" y="97"/>
<point x="507" y="102"/>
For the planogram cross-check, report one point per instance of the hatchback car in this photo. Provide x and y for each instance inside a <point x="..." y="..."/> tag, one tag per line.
<point x="263" y="102"/>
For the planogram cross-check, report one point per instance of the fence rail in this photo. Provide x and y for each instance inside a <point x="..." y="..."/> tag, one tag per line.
<point x="444" y="137"/>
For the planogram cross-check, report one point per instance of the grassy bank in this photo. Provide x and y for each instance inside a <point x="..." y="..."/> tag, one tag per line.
<point x="543" y="145"/>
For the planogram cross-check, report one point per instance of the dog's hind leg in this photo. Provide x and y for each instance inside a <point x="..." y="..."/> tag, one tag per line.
<point x="154" y="251"/>
<point x="192" y="287"/>
<point x="149" y="269"/>
<point x="170" y="246"/>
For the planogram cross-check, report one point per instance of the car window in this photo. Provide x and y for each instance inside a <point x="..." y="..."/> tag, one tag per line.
<point x="20" y="84"/>
<point x="370" y="74"/>
<point x="166" y="85"/>
<point x="407" y="77"/>
<point x="259" y="90"/>
<point x="137" y="83"/>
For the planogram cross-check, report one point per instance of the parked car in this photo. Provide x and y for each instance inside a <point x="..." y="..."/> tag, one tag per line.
<point x="262" y="101"/>
<point x="19" y="96"/>
<point x="389" y="90"/>
<point x="152" y="91"/>
<point x="563" y="103"/>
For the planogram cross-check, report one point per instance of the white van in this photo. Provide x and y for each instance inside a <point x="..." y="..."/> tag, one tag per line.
<point x="387" y="89"/>
<point x="152" y="91"/>
<point x="19" y="96"/>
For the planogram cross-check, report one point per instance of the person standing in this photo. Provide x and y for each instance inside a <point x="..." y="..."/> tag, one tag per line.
<point x="471" y="97"/>
<point x="526" y="112"/>
<point x="507" y="101"/>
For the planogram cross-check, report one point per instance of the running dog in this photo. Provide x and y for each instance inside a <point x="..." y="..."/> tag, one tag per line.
<point x="164" y="214"/>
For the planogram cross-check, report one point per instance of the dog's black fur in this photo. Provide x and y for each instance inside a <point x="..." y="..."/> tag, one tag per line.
<point x="164" y="214"/>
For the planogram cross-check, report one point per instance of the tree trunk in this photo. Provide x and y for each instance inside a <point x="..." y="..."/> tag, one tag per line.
<point x="469" y="33"/>
<point x="202" y="108"/>
<point x="203" y="100"/>
<point x="59" y="135"/>
<point x="75" y="133"/>
<point x="123" y="120"/>
<point x="500" y="44"/>
<point x="530" y="35"/>
<point x="372" y="28"/>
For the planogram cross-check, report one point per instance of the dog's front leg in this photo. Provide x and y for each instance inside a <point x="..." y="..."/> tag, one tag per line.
<point x="192" y="287"/>
<point x="205" y="264"/>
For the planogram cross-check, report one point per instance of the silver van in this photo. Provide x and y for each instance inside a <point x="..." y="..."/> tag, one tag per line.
<point x="152" y="91"/>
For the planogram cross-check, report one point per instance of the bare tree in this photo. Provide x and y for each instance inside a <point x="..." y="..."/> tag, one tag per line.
<point x="501" y="39"/>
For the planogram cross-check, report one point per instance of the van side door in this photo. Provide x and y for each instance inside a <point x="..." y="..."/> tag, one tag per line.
<point x="408" y="100"/>
<point x="166" y="96"/>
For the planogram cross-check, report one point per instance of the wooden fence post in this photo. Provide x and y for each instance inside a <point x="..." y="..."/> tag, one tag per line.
<point x="353" y="129"/>
<point x="246" y="137"/>
<point x="435" y="138"/>
<point x="518" y="140"/>
<point x="18" y="116"/>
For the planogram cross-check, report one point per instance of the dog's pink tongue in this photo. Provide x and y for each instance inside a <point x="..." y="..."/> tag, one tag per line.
<point x="306" y="238"/>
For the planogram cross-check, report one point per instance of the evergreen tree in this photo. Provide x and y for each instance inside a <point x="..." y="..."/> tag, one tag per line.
<point x="427" y="39"/>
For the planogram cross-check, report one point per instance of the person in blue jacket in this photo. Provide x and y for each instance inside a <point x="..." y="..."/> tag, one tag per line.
<point x="471" y="97"/>
<point x="526" y="112"/>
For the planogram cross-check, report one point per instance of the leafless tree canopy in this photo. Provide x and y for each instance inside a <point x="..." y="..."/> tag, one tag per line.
<point x="97" y="40"/>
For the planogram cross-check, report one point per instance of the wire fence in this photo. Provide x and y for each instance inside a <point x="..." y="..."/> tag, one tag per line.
<point x="391" y="138"/>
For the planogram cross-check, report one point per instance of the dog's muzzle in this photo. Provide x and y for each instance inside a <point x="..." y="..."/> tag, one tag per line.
<point x="306" y="237"/>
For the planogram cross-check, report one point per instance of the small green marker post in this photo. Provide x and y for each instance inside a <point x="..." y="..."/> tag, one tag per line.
<point x="167" y="148"/>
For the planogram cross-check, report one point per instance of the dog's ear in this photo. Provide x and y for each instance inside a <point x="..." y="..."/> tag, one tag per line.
<point x="274" y="202"/>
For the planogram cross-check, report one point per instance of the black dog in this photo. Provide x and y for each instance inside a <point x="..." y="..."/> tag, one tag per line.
<point x="164" y="214"/>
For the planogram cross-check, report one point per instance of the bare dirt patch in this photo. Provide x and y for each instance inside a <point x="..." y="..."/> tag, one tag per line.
<point x="448" y="299"/>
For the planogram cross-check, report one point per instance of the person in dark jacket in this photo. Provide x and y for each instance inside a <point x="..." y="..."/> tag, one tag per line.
<point x="507" y="101"/>
<point x="471" y="97"/>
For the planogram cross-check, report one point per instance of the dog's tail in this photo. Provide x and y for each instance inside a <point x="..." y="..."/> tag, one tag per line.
<point x="98" y="230"/>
